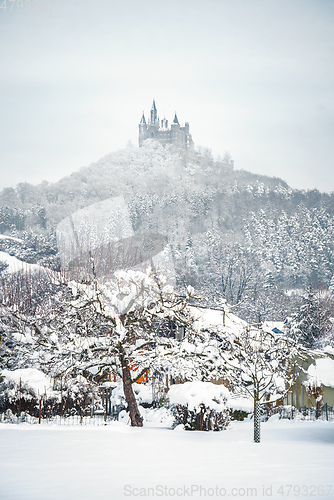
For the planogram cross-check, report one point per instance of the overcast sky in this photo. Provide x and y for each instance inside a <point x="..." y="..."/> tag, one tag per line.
<point x="252" y="77"/>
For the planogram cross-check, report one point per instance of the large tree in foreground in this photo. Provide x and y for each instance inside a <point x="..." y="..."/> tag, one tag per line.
<point x="129" y="319"/>
<point x="109" y="327"/>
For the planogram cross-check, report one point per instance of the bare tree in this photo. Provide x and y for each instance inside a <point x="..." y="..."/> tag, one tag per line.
<point x="262" y="366"/>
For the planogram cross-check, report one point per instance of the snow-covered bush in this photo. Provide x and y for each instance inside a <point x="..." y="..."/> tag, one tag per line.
<point x="8" y="416"/>
<point x="78" y="395"/>
<point x="202" y="418"/>
<point x="19" y="390"/>
<point x="200" y="406"/>
<point x="23" y="389"/>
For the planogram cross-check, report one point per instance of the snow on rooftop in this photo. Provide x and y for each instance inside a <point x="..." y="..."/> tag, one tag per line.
<point x="216" y="320"/>
<point x="273" y="326"/>
<point x="323" y="371"/>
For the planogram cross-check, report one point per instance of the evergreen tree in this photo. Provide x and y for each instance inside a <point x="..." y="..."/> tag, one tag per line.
<point x="313" y="320"/>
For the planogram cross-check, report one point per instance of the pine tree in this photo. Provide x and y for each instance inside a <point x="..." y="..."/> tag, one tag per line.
<point x="312" y="322"/>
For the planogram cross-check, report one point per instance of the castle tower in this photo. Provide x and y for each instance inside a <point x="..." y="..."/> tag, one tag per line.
<point x="164" y="123"/>
<point x="154" y="114"/>
<point x="176" y="134"/>
<point x="142" y="130"/>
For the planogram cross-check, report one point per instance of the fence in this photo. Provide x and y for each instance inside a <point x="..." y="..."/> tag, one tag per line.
<point x="324" y="412"/>
<point x="94" y="420"/>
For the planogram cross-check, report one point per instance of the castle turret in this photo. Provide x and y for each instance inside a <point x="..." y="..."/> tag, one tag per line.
<point x="176" y="121"/>
<point x="164" y="123"/>
<point x="176" y="135"/>
<point x="142" y="130"/>
<point x="143" y="121"/>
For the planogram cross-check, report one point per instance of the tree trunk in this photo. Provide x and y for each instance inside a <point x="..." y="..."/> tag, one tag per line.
<point x="135" y="417"/>
<point x="257" y="422"/>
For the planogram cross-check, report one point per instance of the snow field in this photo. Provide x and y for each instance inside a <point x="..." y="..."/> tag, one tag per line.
<point x="117" y="462"/>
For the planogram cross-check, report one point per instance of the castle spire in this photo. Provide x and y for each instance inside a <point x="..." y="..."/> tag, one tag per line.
<point x="154" y="113"/>
<point x="175" y="119"/>
<point x="143" y="119"/>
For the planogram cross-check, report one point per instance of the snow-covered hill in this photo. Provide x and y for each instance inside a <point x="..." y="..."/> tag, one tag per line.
<point x="233" y="234"/>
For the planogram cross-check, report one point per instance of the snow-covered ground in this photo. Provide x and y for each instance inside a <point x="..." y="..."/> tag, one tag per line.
<point x="15" y="265"/>
<point x="294" y="460"/>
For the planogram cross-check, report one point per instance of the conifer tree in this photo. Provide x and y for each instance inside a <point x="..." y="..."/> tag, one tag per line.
<point x="312" y="322"/>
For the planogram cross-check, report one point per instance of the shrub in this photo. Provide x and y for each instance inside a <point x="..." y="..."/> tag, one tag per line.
<point x="239" y="415"/>
<point x="200" y="406"/>
<point x="202" y="418"/>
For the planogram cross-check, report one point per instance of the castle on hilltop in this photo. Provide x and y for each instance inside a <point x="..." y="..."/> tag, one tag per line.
<point x="158" y="130"/>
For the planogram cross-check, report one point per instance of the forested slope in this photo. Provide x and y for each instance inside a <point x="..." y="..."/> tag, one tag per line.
<point x="245" y="237"/>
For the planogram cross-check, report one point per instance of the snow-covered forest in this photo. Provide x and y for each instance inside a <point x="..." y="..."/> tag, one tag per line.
<point x="249" y="239"/>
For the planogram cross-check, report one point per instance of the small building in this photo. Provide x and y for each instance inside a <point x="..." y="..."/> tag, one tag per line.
<point x="314" y="381"/>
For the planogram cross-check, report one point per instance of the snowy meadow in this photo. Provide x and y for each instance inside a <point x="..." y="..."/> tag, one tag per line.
<point x="294" y="460"/>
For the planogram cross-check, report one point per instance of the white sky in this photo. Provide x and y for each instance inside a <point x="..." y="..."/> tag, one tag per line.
<point x="254" y="77"/>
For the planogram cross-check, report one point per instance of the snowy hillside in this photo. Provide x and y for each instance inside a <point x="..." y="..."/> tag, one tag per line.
<point x="249" y="239"/>
<point x="14" y="265"/>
